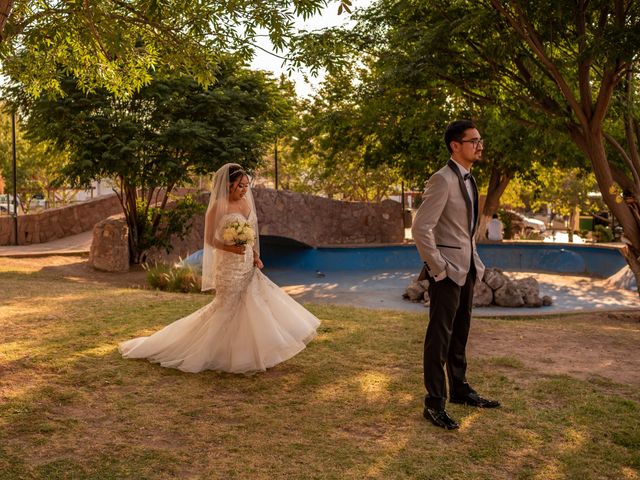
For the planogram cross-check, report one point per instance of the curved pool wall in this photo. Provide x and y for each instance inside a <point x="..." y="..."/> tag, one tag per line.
<point x="596" y="261"/>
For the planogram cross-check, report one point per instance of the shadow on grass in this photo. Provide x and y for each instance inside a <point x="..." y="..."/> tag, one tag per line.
<point x="349" y="406"/>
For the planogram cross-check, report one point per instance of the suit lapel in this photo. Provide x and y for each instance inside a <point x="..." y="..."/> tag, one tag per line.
<point x="465" y="192"/>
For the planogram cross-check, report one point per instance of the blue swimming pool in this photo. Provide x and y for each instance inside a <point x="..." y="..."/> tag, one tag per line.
<point x="597" y="261"/>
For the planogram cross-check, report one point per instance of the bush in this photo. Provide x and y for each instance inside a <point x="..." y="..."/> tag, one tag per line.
<point x="173" y="278"/>
<point x="603" y="234"/>
<point x="505" y="218"/>
<point x="530" y="234"/>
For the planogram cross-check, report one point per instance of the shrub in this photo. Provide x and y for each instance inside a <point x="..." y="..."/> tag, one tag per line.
<point x="173" y="278"/>
<point x="603" y="234"/>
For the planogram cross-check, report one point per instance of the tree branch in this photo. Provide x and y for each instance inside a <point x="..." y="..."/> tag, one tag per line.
<point x="615" y="144"/>
<point x="93" y="30"/>
<point x="5" y="11"/>
<point x="629" y="129"/>
<point x="584" y="65"/>
<point x="607" y="86"/>
<point x="527" y="32"/>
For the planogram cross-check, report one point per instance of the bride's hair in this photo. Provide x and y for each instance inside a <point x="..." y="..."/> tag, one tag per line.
<point x="235" y="172"/>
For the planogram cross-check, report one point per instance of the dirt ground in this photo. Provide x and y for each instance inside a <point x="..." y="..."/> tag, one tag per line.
<point x="588" y="345"/>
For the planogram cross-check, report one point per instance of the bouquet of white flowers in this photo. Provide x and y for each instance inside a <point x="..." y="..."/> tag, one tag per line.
<point x="238" y="233"/>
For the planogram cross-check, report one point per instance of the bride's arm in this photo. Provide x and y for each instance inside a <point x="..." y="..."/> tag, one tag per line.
<point x="210" y="234"/>
<point x="256" y="259"/>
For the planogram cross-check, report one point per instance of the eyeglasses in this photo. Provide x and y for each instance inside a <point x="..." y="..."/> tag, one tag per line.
<point x="475" y="142"/>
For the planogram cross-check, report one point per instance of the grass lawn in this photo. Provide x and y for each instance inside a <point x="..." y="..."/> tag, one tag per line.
<point x="348" y="407"/>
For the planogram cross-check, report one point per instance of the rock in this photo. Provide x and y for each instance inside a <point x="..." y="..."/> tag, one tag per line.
<point x="532" y="300"/>
<point x="547" y="301"/>
<point x="624" y="278"/>
<point x="110" y="245"/>
<point x="424" y="284"/>
<point x="482" y="295"/>
<point x="527" y="285"/>
<point x="530" y="291"/>
<point x="508" y="295"/>
<point x="426" y="299"/>
<point x="414" y="292"/>
<point x="494" y="278"/>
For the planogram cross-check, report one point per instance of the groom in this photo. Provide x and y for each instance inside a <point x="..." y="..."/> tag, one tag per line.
<point x="443" y="231"/>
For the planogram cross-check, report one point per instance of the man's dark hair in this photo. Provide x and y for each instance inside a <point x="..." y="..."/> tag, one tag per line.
<point x="495" y="215"/>
<point x="455" y="131"/>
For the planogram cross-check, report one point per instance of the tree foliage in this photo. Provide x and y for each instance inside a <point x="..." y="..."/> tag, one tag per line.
<point x="397" y="106"/>
<point x="117" y="44"/>
<point x="559" y="64"/>
<point x="159" y="137"/>
<point x="563" y="65"/>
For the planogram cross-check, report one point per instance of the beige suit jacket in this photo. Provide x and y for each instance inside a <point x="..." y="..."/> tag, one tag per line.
<point x="442" y="228"/>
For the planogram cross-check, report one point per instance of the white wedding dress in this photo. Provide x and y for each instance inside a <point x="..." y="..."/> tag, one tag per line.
<point x="250" y="325"/>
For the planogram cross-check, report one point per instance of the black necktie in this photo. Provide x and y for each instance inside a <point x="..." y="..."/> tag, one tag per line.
<point x="467" y="176"/>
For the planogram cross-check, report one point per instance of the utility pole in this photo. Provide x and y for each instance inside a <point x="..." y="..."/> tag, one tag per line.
<point x="15" y="179"/>
<point x="275" y="156"/>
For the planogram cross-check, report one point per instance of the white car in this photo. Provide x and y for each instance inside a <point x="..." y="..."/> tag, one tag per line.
<point x="535" y="224"/>
<point x="523" y="223"/>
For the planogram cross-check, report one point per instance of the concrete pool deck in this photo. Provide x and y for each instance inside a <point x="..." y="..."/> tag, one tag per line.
<point x="383" y="290"/>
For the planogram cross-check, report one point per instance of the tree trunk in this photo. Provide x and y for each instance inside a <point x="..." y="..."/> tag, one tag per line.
<point x="592" y="143"/>
<point x="128" y="201"/>
<point x="498" y="182"/>
<point x="634" y="264"/>
<point x="5" y="10"/>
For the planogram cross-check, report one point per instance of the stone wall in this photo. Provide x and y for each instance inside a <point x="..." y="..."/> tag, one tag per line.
<point x="315" y="221"/>
<point x="58" y="222"/>
<point x="319" y="221"/>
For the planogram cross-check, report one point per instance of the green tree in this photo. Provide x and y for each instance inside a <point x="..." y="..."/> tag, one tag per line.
<point x="116" y="44"/>
<point x="329" y="153"/>
<point x="37" y="163"/>
<point x="158" y="138"/>
<point x="399" y="106"/>
<point x="549" y="64"/>
<point x="564" y="190"/>
<point x="565" y="60"/>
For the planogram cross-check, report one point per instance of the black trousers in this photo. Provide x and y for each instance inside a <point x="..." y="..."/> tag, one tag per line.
<point x="446" y="339"/>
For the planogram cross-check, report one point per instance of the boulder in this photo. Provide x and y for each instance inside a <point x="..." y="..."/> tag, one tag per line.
<point x="547" y="301"/>
<point x="508" y="295"/>
<point x="494" y="278"/>
<point x="624" y="278"/>
<point x="532" y="300"/>
<point x="530" y="291"/>
<point x="414" y="292"/>
<point x="110" y="245"/>
<point x="527" y="285"/>
<point x="482" y="295"/>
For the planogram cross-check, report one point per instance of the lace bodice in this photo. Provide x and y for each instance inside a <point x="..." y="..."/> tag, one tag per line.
<point x="233" y="271"/>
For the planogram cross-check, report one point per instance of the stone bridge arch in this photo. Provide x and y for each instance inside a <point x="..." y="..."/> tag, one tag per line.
<point x="290" y="217"/>
<point x="286" y="219"/>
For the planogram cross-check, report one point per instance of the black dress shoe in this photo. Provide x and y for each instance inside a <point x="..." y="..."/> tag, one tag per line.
<point x="440" y="418"/>
<point x="475" y="400"/>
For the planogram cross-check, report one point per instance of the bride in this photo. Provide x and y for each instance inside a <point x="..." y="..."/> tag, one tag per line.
<point x="251" y="324"/>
